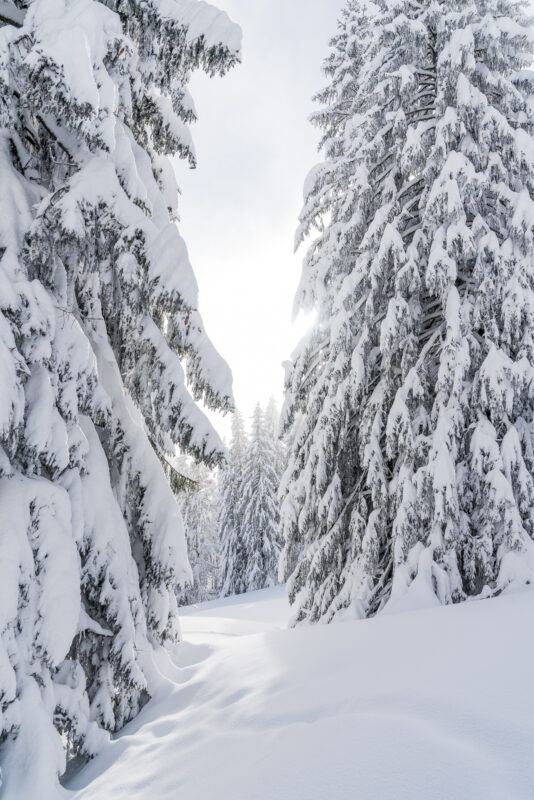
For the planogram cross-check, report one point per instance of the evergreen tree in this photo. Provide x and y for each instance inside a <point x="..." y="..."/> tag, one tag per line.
<point x="414" y="464"/>
<point x="198" y="506"/>
<point x="258" y="509"/>
<point x="230" y="489"/>
<point x="272" y="423"/>
<point x="98" y="311"/>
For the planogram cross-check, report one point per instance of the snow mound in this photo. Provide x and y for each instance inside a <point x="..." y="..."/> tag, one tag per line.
<point x="421" y="705"/>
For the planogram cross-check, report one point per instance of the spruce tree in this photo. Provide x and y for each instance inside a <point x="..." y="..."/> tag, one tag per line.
<point x="272" y="426"/>
<point x="414" y="465"/>
<point x="198" y="506"/>
<point x="98" y="319"/>
<point x="230" y="492"/>
<point x="258" y="509"/>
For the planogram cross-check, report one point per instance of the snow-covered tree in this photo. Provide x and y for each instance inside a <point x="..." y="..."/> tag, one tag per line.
<point x="414" y="463"/>
<point x="198" y="506"/>
<point x="98" y="313"/>
<point x="258" y="509"/>
<point x="272" y="426"/>
<point x="313" y="417"/>
<point x="249" y="521"/>
<point x="230" y="488"/>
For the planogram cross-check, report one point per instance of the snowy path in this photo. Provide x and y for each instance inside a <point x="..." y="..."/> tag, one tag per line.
<point x="425" y="705"/>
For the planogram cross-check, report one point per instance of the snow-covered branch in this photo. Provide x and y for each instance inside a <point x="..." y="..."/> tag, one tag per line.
<point x="11" y="15"/>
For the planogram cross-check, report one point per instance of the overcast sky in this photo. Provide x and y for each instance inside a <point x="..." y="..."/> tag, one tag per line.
<point x="239" y="209"/>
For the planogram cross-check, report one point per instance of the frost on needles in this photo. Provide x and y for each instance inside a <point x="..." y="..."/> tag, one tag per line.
<point x="411" y="403"/>
<point x="100" y="337"/>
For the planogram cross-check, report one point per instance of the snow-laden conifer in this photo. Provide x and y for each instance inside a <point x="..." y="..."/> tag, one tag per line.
<point x="230" y="493"/>
<point x="413" y="465"/>
<point x="272" y="426"/>
<point x="98" y="313"/>
<point x="258" y="508"/>
<point x="198" y="506"/>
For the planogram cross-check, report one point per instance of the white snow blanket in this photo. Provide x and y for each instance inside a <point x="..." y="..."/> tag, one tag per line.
<point x="436" y="704"/>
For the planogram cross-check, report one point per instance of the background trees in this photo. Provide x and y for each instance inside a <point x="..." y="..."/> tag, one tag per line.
<point x="249" y="511"/>
<point x="258" y="508"/>
<point x="198" y="506"/>
<point x="230" y="487"/>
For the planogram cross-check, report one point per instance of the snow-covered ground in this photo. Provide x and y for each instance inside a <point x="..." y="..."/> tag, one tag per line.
<point x="436" y="704"/>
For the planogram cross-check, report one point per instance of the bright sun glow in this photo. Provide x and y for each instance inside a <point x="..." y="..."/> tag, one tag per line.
<point x="247" y="189"/>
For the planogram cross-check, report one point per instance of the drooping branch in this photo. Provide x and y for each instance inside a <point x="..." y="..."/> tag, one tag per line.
<point x="11" y="15"/>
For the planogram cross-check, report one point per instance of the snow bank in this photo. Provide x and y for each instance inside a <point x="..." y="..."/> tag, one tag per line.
<point x="423" y="705"/>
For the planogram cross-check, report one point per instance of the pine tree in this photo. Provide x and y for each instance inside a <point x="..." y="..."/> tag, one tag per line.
<point x="272" y="423"/>
<point x="314" y="414"/>
<point x="230" y="489"/>
<point x="414" y="465"/>
<point x="198" y="506"/>
<point x="258" y="509"/>
<point x="98" y="311"/>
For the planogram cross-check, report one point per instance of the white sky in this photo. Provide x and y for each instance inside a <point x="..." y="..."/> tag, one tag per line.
<point x="239" y="209"/>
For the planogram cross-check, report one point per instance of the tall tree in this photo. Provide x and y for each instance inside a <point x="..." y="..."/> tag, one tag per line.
<point x="98" y="308"/>
<point x="259" y="510"/>
<point x="414" y="466"/>
<point x="230" y="489"/>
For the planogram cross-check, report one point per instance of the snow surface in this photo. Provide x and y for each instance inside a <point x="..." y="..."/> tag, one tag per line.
<point x="422" y="705"/>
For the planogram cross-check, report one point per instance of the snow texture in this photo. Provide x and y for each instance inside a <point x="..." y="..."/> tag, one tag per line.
<point x="424" y="704"/>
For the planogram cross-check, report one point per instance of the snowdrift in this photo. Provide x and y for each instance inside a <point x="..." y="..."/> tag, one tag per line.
<point x="436" y="704"/>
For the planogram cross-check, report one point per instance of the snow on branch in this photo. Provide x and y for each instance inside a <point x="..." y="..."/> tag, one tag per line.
<point x="10" y="15"/>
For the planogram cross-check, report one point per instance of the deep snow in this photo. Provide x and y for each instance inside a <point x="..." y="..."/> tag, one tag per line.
<point x="433" y="704"/>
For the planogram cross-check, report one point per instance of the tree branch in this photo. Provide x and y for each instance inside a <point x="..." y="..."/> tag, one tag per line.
<point x="11" y="15"/>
